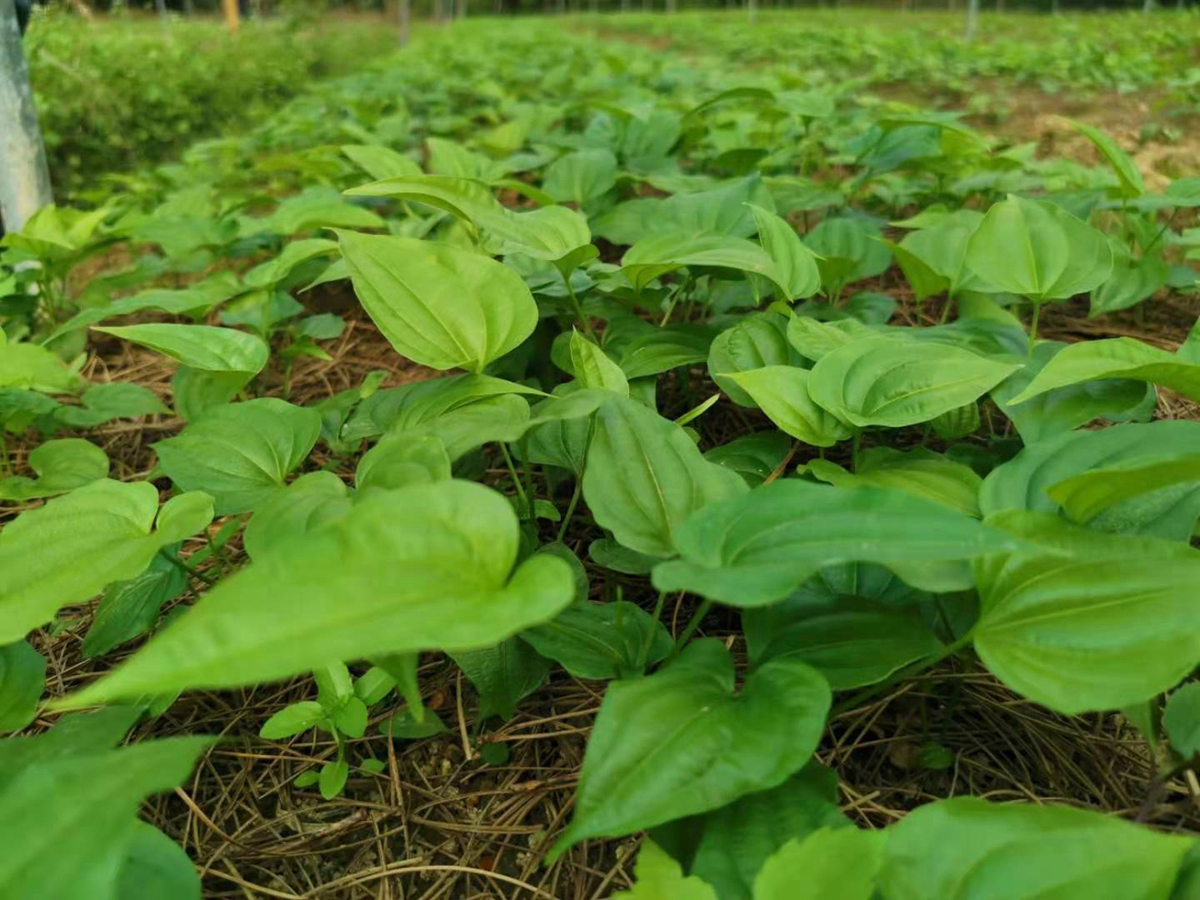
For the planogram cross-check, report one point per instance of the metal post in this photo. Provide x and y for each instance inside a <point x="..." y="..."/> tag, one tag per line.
<point x="24" y="178"/>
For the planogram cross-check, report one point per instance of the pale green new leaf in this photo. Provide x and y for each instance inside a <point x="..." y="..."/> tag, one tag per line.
<point x="593" y="368"/>
<point x="832" y="862"/>
<point x="1132" y="183"/>
<point x="659" y="254"/>
<point x="203" y="347"/>
<point x="1115" y="358"/>
<point x="426" y="567"/>
<point x="755" y="342"/>
<point x="782" y="392"/>
<point x="796" y="270"/>
<point x="61" y="466"/>
<point x="380" y="162"/>
<point x="1085" y="496"/>
<point x="659" y="877"/>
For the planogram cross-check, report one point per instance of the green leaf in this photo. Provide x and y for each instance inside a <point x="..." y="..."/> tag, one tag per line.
<point x="65" y="552"/>
<point x="681" y="742"/>
<point x="426" y="567"/>
<point x="644" y="476"/>
<point x="1023" y="482"/>
<point x="921" y="473"/>
<point x="757" y="341"/>
<point x="660" y="254"/>
<point x="601" y="640"/>
<point x="88" y="801"/>
<point x="403" y="725"/>
<point x="728" y="846"/>
<point x="380" y="162"/>
<point x="894" y="382"/>
<point x="311" y="501"/>
<point x="292" y="719"/>
<point x="332" y="779"/>
<point x="968" y="848"/>
<point x="203" y="347"/>
<point x="105" y="402"/>
<point x="1084" y="497"/>
<point x="1098" y="623"/>
<point x="240" y="454"/>
<point x="753" y="456"/>
<point x="351" y="717"/>
<point x="593" y="369"/>
<point x="581" y="176"/>
<point x="1133" y="280"/>
<point x="659" y="877"/>
<point x="1181" y="719"/>
<point x="756" y="549"/>
<point x="197" y="391"/>
<point x="1038" y="250"/>
<point x="1132" y="184"/>
<point x="61" y="466"/>
<point x="796" y="270"/>
<point x="22" y="680"/>
<point x="1115" y="358"/>
<point x="438" y="305"/>
<point x="413" y="458"/>
<point x="847" y="250"/>
<point x="155" y="867"/>
<point x="190" y="301"/>
<point x="814" y="339"/>
<point x="36" y="368"/>
<point x="294" y="254"/>
<point x="663" y="349"/>
<point x="130" y="608"/>
<point x="503" y="675"/>
<point x="1065" y="408"/>
<point x="782" y="392"/>
<point x="836" y="862"/>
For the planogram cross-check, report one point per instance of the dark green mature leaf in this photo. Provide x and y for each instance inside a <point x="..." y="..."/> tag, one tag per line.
<point x="1064" y="408"/>
<point x="753" y="456"/>
<point x="66" y="551"/>
<point x="61" y="466"/>
<point x="439" y="305"/>
<point x="755" y="549"/>
<point x="602" y="640"/>
<point x="644" y="476"/>
<point x="1115" y="358"/>
<point x="970" y="849"/>
<point x="420" y="568"/>
<point x="1092" y="621"/>
<point x="1022" y="483"/>
<point x="1181" y="719"/>
<point x="894" y="382"/>
<point x="847" y="250"/>
<point x="680" y="742"/>
<point x="104" y="402"/>
<point x="156" y="868"/>
<point x="240" y="454"/>
<point x="90" y="802"/>
<point x="22" y="680"/>
<point x="130" y="608"/>
<point x="503" y="675"/>
<point x="663" y="349"/>
<point x="755" y="342"/>
<point x="728" y="846"/>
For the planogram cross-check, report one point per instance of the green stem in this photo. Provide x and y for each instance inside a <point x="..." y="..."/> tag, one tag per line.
<point x="578" y="307"/>
<point x="920" y="666"/>
<point x="689" y="629"/>
<point x="184" y="567"/>
<point x="946" y="309"/>
<point x="1161" y="232"/>
<point x="1033" y="326"/>
<point x="648" y="640"/>
<point x="671" y="303"/>
<point x="855" y="445"/>
<point x="512" y="470"/>
<point x="562" y="530"/>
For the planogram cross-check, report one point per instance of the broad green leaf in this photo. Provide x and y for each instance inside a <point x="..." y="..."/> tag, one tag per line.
<point x="292" y="720"/>
<point x="426" y="567"/>
<point x="921" y="473"/>
<point x="663" y="349"/>
<point x="22" y="680"/>
<point x="1133" y="280"/>
<point x="203" y="347"/>
<point x="593" y="369"/>
<point x="1131" y="181"/>
<point x="796" y="270"/>
<point x="660" y="254"/>
<point x="782" y="392"/>
<point x="332" y="779"/>
<point x="1038" y="250"/>
<point x="601" y="640"/>
<point x="728" y="846"/>
<point x="836" y="862"/>
<point x="969" y="849"/>
<point x="847" y="250"/>
<point x="240" y="454"/>
<point x="893" y="382"/>
<point x="1114" y="358"/>
<point x="659" y="877"/>
<point x="1023" y="482"/>
<point x="722" y="210"/>
<point x="36" y="368"/>
<point x="315" y="207"/>
<point x="61" y="466"/>
<point x="403" y="725"/>
<point x="644" y="476"/>
<point x="438" y="305"/>
<point x="1065" y="408"/>
<point x="852" y="641"/>
<point x="405" y="458"/>
<point x="611" y="555"/>
<point x="380" y="162"/>
<point x="581" y="176"/>
<point x="755" y="549"/>
<point x="501" y="418"/>
<point x="104" y="402"/>
<point x="753" y="456"/>
<point x="1100" y="623"/>
<point x="311" y="501"/>
<point x="156" y="867"/>
<point x="814" y="339"/>
<point x="755" y="342"/>
<point x="681" y="742"/>
<point x="293" y="255"/>
<point x="131" y="608"/>
<point x="89" y="802"/>
<point x="561" y="442"/>
<point x="503" y="675"/>
<point x="65" y="552"/>
<point x="1085" y="496"/>
<point x="924" y="280"/>
<point x="189" y="301"/>
<point x="1181" y="719"/>
<point x="196" y="391"/>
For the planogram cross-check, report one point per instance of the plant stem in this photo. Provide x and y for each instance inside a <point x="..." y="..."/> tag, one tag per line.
<point x="562" y="529"/>
<point x="946" y="309"/>
<point x="186" y="569"/>
<point x="908" y="672"/>
<point x="689" y="629"/>
<point x="671" y="303"/>
<point x="644" y="651"/>
<point x="578" y="307"/>
<point x="512" y="470"/>
<point x="1033" y="326"/>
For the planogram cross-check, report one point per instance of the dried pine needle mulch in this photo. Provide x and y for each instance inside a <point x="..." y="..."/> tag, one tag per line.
<point x="440" y="823"/>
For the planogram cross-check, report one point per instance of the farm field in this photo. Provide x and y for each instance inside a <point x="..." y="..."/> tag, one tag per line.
<point x="648" y="456"/>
